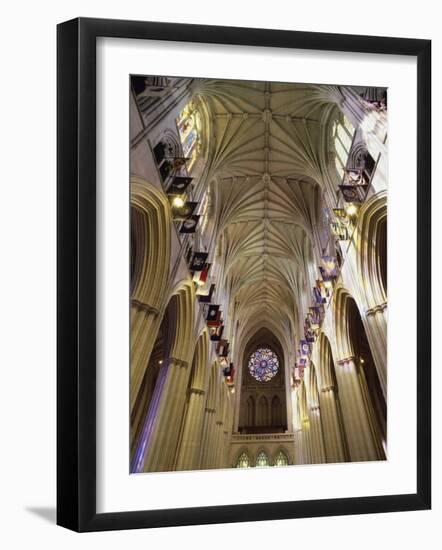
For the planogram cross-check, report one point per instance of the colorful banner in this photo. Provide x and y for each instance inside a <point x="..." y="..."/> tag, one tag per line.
<point x="180" y="213"/>
<point x="328" y="267"/>
<point x="353" y="193"/>
<point x="205" y="295"/>
<point x="189" y="225"/>
<point x="179" y="185"/>
<point x="198" y="261"/>
<point x="215" y="333"/>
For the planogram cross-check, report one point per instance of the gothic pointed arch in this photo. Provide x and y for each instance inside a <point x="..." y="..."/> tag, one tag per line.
<point x="372" y="246"/>
<point x="150" y="237"/>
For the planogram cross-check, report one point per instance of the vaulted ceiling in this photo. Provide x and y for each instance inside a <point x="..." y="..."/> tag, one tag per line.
<point x="266" y="171"/>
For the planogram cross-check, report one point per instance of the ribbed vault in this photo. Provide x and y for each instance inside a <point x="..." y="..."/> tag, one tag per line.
<point x="266" y="171"/>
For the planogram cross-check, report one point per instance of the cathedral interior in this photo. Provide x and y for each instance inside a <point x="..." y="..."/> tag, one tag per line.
<point x="258" y="274"/>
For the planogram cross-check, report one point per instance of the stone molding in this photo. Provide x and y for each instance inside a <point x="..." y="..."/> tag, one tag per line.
<point x="145" y="307"/>
<point x="178" y="362"/>
<point x="328" y="388"/>
<point x="376" y="309"/>
<point x="197" y="391"/>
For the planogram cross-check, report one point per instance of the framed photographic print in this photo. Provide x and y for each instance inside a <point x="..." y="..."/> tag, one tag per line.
<point x="243" y="274"/>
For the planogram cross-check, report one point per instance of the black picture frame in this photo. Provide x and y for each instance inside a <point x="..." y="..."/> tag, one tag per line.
<point x="76" y="274"/>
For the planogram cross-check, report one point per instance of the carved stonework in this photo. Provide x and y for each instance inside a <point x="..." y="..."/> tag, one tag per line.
<point x="376" y="309"/>
<point x="144" y="307"/>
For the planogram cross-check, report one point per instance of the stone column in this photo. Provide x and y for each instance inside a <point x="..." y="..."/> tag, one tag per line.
<point x="226" y="448"/>
<point x="361" y="437"/>
<point x="189" y="452"/>
<point x="209" y="439"/>
<point x="334" y="436"/>
<point x="297" y="436"/>
<point x="158" y="441"/>
<point x="143" y="326"/>
<point x="306" y="442"/>
<point x="316" y="439"/>
<point x="219" y="427"/>
<point x="376" y="329"/>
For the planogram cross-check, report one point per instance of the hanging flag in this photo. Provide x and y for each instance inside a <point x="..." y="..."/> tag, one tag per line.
<point x="206" y="297"/>
<point x="353" y="193"/>
<point x="317" y="295"/>
<point x="189" y="225"/>
<point x="225" y="351"/>
<point x="329" y="267"/>
<point x="205" y="311"/>
<point x="317" y="310"/>
<point x="178" y="162"/>
<point x="215" y="333"/>
<point x="299" y="372"/>
<point x="354" y="176"/>
<point x="312" y="323"/>
<point x="339" y="230"/>
<point x="222" y="348"/>
<point x="198" y="261"/>
<point x="323" y="290"/>
<point x="316" y="314"/>
<point x="179" y="185"/>
<point x="215" y="321"/>
<point x="341" y="214"/>
<point x="181" y="213"/>
<point x="171" y="166"/>
<point x="200" y="277"/>
<point x="229" y="373"/>
<point x="305" y="348"/>
<point x="212" y="312"/>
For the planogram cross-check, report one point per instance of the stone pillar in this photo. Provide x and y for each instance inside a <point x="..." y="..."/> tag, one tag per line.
<point x="306" y="442"/>
<point x="158" y="441"/>
<point x="189" y="452"/>
<point x="225" y="450"/>
<point x="297" y="436"/>
<point x="209" y="429"/>
<point x="143" y="326"/>
<point x="316" y="440"/>
<point x="361" y="437"/>
<point x="376" y="329"/>
<point x="334" y="436"/>
<point x="219" y="427"/>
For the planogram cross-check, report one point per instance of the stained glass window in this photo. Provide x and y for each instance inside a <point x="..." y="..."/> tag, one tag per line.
<point x="243" y="461"/>
<point x="263" y="364"/>
<point x="262" y="460"/>
<point x="189" y="128"/>
<point x="281" y="459"/>
<point x="342" y="137"/>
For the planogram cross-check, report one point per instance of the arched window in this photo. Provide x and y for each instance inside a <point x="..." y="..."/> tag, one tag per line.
<point x="343" y="132"/>
<point x="263" y="364"/>
<point x="189" y="128"/>
<point x="263" y="411"/>
<point x="381" y="245"/>
<point x="276" y="411"/>
<point x="204" y="212"/>
<point x="281" y="459"/>
<point x="250" y="411"/>
<point x="262" y="460"/>
<point x="243" y="461"/>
